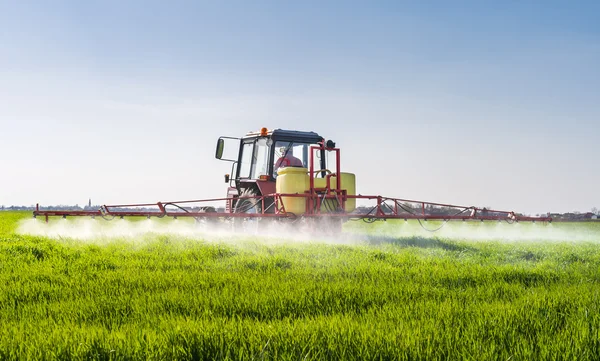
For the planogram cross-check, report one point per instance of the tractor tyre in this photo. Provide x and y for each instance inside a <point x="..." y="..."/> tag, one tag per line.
<point x="212" y="221"/>
<point x="244" y="224"/>
<point x="207" y="223"/>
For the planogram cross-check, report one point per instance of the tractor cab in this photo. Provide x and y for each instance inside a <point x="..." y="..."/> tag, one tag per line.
<point x="261" y="155"/>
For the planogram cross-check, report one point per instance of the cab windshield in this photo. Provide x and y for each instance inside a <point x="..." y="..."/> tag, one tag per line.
<point x="292" y="154"/>
<point x="255" y="156"/>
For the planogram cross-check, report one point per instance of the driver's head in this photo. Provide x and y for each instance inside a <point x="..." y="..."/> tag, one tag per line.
<point x="286" y="151"/>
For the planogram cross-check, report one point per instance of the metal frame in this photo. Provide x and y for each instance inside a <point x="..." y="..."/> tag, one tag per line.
<point x="385" y="208"/>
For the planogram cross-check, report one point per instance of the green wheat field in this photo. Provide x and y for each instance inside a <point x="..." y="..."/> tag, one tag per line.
<point x="372" y="295"/>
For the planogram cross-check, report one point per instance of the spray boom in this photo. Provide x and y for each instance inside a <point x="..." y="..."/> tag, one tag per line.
<point x="320" y="193"/>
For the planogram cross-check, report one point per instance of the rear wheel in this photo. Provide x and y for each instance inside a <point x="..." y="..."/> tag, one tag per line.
<point x="208" y="222"/>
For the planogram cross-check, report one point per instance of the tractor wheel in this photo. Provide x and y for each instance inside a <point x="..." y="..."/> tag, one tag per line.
<point x="250" y="205"/>
<point x="210" y="222"/>
<point x="204" y="224"/>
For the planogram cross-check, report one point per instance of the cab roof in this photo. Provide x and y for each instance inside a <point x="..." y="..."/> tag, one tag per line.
<point x="290" y="135"/>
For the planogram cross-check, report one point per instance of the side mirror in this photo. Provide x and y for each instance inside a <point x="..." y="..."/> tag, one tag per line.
<point x="220" y="146"/>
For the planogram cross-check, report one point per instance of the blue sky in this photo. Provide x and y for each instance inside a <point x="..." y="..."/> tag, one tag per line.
<point x="470" y="102"/>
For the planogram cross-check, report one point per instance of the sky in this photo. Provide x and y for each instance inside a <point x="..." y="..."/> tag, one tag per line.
<point x="482" y="103"/>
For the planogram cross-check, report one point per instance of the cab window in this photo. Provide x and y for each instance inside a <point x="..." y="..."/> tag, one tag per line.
<point x="260" y="160"/>
<point x="255" y="158"/>
<point x="246" y="160"/>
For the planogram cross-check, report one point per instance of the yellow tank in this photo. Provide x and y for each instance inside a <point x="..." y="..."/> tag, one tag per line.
<point x="293" y="180"/>
<point x="348" y="182"/>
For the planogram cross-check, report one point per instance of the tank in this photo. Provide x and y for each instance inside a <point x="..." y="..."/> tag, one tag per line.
<point x="293" y="180"/>
<point x="348" y="182"/>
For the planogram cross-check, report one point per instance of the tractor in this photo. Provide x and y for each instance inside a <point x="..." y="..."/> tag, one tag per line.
<point x="264" y="156"/>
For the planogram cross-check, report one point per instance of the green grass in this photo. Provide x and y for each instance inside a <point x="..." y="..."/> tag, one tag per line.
<point x="391" y="297"/>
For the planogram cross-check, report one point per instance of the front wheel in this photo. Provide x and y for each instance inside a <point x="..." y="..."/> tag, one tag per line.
<point x="248" y="206"/>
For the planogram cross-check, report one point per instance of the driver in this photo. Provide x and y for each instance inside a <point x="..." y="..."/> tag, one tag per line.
<point x="287" y="159"/>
